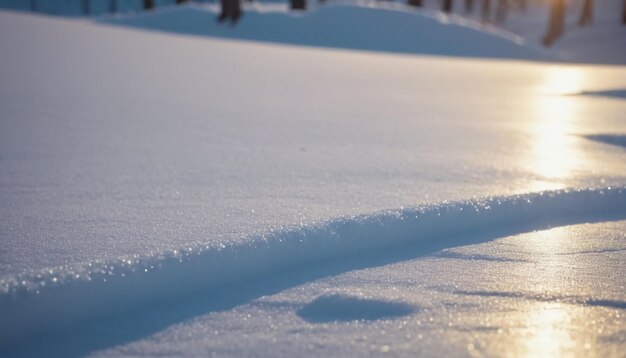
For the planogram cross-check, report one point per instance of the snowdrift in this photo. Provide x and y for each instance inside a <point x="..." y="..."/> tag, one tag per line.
<point x="57" y="298"/>
<point x="390" y="26"/>
<point x="396" y="29"/>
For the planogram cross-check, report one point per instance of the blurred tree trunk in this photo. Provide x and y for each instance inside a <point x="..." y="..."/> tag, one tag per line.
<point x="624" y="14"/>
<point x="180" y="1"/>
<point x="33" y="5"/>
<point x="85" y="6"/>
<point x="555" y="25"/>
<point x="446" y="6"/>
<point x="416" y="3"/>
<point x="469" y="6"/>
<point x="298" y="4"/>
<point x="113" y="6"/>
<point x="148" y="4"/>
<point x="486" y="10"/>
<point x="586" y="15"/>
<point x="231" y="10"/>
<point x="501" y="11"/>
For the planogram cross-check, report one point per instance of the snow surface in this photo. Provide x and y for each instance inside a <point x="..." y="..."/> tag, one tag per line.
<point x="144" y="170"/>
<point x="603" y="41"/>
<point x="382" y="26"/>
<point x="398" y="29"/>
<point x="549" y="293"/>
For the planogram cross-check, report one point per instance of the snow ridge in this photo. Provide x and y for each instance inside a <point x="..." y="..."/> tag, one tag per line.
<point x="36" y="302"/>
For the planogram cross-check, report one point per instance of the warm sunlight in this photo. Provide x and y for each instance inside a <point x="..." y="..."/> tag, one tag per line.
<point x="555" y="152"/>
<point x="305" y="178"/>
<point x="547" y="322"/>
<point x="549" y="335"/>
<point x="562" y="81"/>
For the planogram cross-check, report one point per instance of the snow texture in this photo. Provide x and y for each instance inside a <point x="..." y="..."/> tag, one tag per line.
<point x="138" y="169"/>
<point x="97" y="289"/>
<point x="339" y="307"/>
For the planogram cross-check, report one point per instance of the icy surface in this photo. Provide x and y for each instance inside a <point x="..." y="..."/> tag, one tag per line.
<point x="123" y="153"/>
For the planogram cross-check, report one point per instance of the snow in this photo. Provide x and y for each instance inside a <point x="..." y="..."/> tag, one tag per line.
<point x="603" y="41"/>
<point x="100" y="288"/>
<point x="338" y="307"/>
<point x="398" y="29"/>
<point x="610" y="139"/>
<point x="616" y="93"/>
<point x="558" y="292"/>
<point x="161" y="188"/>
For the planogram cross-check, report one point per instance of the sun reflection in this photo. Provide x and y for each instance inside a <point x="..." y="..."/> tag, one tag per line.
<point x="562" y="81"/>
<point x="555" y="153"/>
<point x="549" y="333"/>
<point x="548" y="324"/>
<point x="554" y="146"/>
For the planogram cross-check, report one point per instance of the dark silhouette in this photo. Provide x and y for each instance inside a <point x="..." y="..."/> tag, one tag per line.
<point x="113" y="6"/>
<point x="416" y="3"/>
<point x="469" y="6"/>
<point x="502" y="10"/>
<point x="231" y="10"/>
<point x="148" y="4"/>
<point x="624" y="14"/>
<point x="181" y="1"/>
<point x="586" y="15"/>
<point x="555" y="25"/>
<point x="298" y="4"/>
<point x="446" y="6"/>
<point x="85" y="6"/>
<point x="486" y="10"/>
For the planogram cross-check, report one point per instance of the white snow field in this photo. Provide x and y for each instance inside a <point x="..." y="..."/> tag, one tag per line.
<point x="396" y="27"/>
<point x="385" y="27"/>
<point x="175" y="195"/>
<point x="376" y="25"/>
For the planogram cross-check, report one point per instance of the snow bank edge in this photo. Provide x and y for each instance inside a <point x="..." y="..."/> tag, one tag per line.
<point x="45" y="301"/>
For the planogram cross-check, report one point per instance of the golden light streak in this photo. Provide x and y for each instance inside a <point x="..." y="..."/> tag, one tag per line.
<point x="555" y="152"/>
